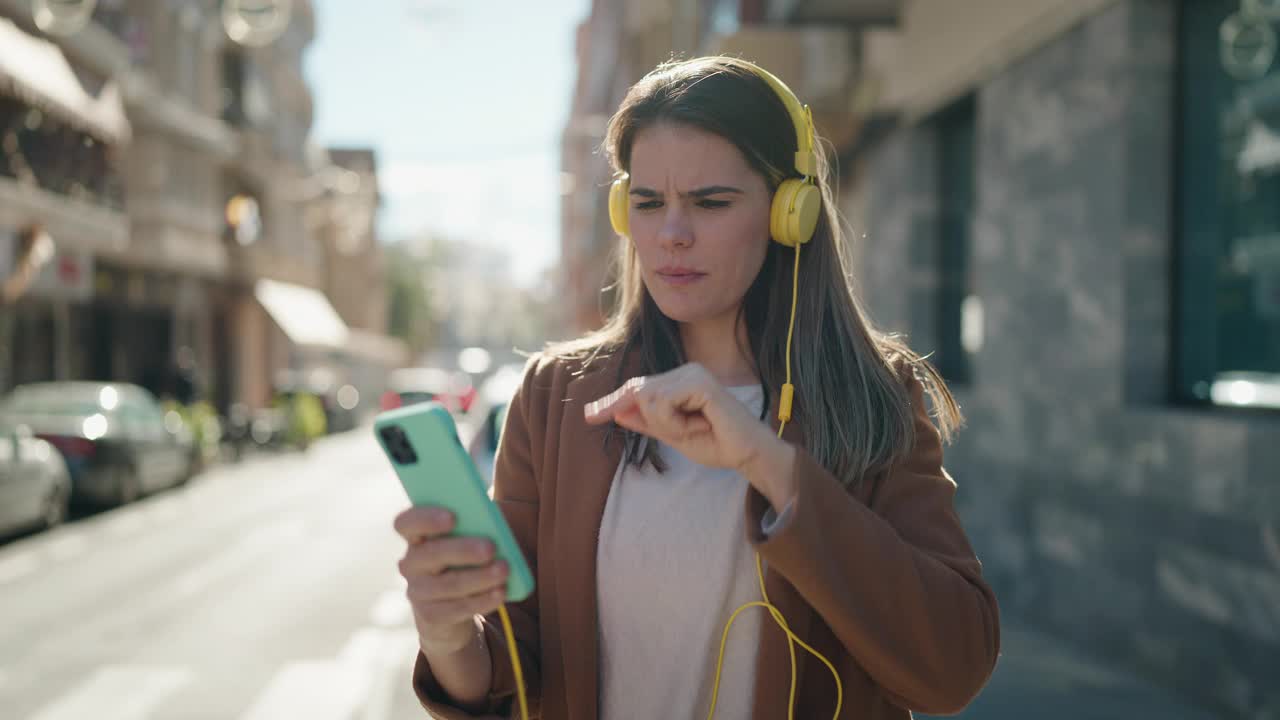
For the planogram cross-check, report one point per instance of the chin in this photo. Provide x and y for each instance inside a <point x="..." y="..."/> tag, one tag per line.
<point x="683" y="309"/>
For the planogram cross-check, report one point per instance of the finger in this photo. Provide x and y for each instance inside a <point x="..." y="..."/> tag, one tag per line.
<point x="457" y="610"/>
<point x="656" y="407"/>
<point x="671" y="411"/>
<point x="460" y="583"/>
<point x="695" y="424"/>
<point x="440" y="554"/>
<point x="701" y="395"/>
<point x="420" y="523"/>
<point x="632" y="420"/>
<point x="606" y="408"/>
<point x="693" y="391"/>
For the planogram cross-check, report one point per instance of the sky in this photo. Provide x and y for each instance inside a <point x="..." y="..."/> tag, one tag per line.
<point x="464" y="102"/>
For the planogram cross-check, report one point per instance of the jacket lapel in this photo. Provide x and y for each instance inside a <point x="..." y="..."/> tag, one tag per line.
<point x="586" y="470"/>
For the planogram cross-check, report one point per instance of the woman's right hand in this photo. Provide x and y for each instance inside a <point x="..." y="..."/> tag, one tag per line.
<point x="450" y="579"/>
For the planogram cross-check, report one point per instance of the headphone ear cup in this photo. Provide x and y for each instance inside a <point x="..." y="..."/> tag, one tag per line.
<point x="619" y="206"/>
<point x="794" y="214"/>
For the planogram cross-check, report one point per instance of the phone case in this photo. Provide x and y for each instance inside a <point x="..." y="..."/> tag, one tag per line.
<point x="444" y="475"/>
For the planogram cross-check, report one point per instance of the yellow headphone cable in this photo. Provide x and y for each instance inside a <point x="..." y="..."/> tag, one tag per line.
<point x="784" y="414"/>
<point x="515" y="661"/>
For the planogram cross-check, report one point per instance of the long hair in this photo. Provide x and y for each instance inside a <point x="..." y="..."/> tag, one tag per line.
<point x="850" y="398"/>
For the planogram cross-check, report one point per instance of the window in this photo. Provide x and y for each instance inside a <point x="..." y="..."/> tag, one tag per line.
<point x="1228" y="256"/>
<point x="955" y="309"/>
<point x="234" y="72"/>
<point x="188" y="30"/>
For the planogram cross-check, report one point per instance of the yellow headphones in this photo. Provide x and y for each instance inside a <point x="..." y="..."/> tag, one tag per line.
<point x="797" y="201"/>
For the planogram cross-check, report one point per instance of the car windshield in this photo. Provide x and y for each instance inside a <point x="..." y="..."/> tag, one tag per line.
<point x="410" y="397"/>
<point x="69" y="400"/>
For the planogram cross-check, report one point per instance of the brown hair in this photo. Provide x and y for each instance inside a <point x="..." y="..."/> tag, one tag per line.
<point x="850" y="399"/>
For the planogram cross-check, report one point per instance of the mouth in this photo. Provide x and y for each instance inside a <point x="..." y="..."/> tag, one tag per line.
<point x="680" y="276"/>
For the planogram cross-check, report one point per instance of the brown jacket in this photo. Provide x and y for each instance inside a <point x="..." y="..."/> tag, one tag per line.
<point x="882" y="581"/>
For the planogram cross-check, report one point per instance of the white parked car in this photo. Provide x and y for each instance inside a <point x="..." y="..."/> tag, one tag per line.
<point x="35" y="486"/>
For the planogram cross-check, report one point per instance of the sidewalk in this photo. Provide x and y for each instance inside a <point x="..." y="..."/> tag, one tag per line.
<point x="1038" y="677"/>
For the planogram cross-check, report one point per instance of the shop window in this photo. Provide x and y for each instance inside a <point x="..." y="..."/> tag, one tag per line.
<point x="1227" y="327"/>
<point x="954" y="130"/>
<point x="234" y="72"/>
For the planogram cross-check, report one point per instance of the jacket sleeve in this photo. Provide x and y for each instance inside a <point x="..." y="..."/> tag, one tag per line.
<point x="897" y="582"/>
<point x="516" y="493"/>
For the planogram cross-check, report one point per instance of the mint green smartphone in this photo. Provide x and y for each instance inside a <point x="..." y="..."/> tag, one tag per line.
<point x="421" y="441"/>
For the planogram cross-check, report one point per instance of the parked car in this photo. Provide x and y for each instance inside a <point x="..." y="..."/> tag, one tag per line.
<point x="490" y="413"/>
<point x="35" y="486"/>
<point x="116" y="440"/>
<point x="407" y="386"/>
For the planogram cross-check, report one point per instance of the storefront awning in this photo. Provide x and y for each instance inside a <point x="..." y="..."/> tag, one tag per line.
<point x="37" y="72"/>
<point x="304" y="314"/>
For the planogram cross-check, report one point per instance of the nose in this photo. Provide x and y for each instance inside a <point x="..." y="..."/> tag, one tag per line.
<point x="676" y="231"/>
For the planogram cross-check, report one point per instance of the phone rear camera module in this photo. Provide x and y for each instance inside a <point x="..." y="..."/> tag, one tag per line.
<point x="398" y="445"/>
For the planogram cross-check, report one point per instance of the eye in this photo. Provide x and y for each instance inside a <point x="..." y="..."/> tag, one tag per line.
<point x="713" y="204"/>
<point x="648" y="205"/>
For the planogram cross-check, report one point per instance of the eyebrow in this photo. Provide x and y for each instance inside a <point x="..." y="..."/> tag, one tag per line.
<point x="699" y="193"/>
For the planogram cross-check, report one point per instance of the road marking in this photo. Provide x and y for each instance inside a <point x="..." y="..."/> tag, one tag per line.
<point x="239" y="555"/>
<point x="118" y="692"/>
<point x="364" y="648"/>
<point x="313" y="690"/>
<point x="67" y="546"/>
<point x="400" y="647"/>
<point x="358" y="683"/>
<point x="17" y="565"/>
<point x="391" y="609"/>
<point x="320" y="690"/>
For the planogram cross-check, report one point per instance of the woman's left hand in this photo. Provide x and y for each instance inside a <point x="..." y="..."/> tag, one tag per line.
<point x="689" y="410"/>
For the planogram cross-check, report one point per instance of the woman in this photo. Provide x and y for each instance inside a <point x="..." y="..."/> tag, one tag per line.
<point x="642" y="472"/>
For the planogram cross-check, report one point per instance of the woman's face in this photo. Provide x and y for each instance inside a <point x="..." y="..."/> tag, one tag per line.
<point x="699" y="220"/>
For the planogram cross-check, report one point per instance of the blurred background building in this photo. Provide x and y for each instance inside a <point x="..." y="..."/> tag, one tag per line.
<point x="1074" y="205"/>
<point x="171" y="168"/>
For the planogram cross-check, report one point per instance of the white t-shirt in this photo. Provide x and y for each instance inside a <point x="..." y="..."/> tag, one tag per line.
<point x="673" y="563"/>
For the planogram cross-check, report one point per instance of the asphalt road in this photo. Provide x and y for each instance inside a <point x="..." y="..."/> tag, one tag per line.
<point x="265" y="590"/>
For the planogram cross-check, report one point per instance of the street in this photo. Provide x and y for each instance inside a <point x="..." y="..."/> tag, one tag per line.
<point x="259" y="591"/>
<point x="268" y="590"/>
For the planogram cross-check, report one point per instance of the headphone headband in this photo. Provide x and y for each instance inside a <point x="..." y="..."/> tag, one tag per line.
<point x="806" y="160"/>
<point x="797" y="202"/>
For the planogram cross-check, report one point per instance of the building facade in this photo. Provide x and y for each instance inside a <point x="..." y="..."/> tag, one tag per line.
<point x="355" y="268"/>
<point x="199" y="183"/>
<point x="1081" y="206"/>
<point x="1072" y="206"/>
<point x="355" y="272"/>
